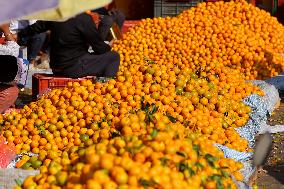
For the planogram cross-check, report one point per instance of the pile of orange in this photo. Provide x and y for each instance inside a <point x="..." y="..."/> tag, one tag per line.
<point x="235" y="34"/>
<point x="161" y="155"/>
<point x="191" y="70"/>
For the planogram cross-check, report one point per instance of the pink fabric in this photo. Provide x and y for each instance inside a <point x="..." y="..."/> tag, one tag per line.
<point x="8" y="96"/>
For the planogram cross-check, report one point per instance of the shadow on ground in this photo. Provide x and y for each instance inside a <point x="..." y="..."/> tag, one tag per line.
<point x="25" y="97"/>
<point x="272" y="176"/>
<point x="276" y="171"/>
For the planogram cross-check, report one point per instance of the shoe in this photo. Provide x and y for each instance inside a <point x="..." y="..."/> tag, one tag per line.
<point x="31" y="67"/>
<point x="43" y="62"/>
<point x="103" y="79"/>
<point x="43" y="65"/>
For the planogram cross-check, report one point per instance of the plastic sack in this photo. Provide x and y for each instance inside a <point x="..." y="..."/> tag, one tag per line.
<point x="271" y="98"/>
<point x="22" y="75"/>
<point x="277" y="81"/>
<point x="262" y="107"/>
<point x="17" y="158"/>
<point x="10" y="177"/>
<point x="8" y="96"/>
<point x="264" y="127"/>
<point x="7" y="153"/>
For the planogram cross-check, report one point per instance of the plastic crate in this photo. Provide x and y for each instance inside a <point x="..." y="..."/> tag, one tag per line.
<point x="2" y="39"/>
<point x="42" y="82"/>
<point x="165" y="8"/>
<point x="128" y="24"/>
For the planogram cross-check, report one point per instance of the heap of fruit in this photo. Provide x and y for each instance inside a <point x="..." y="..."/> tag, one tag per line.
<point x="234" y="34"/>
<point x="145" y="150"/>
<point x="87" y="114"/>
<point x="190" y="69"/>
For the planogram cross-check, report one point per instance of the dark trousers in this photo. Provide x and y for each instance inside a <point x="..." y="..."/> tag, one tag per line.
<point x="104" y="65"/>
<point x="34" y="45"/>
<point x="107" y="22"/>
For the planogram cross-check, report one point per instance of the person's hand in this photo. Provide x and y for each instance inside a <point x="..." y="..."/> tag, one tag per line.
<point x="15" y="36"/>
<point x="6" y="30"/>
<point x="111" y="42"/>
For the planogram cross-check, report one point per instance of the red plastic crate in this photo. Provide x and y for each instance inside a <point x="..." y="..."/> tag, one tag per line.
<point x="43" y="82"/>
<point x="2" y="40"/>
<point x="128" y="24"/>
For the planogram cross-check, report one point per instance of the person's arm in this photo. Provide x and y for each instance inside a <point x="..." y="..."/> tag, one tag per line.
<point x="5" y="28"/>
<point x="36" y="28"/>
<point x="11" y="47"/>
<point x="88" y="29"/>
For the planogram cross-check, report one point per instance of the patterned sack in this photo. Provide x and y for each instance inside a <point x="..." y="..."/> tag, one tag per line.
<point x="23" y="67"/>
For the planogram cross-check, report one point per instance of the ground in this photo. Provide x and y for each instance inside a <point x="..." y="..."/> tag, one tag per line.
<point x="272" y="175"/>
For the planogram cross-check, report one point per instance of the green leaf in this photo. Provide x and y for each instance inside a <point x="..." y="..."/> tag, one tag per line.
<point x="116" y="105"/>
<point x="215" y="177"/>
<point x="196" y="148"/>
<point x="115" y="134"/>
<point x="186" y="123"/>
<point x="164" y="161"/>
<point x="182" y="154"/>
<point x="105" y="171"/>
<point x="146" y="183"/>
<point x="19" y="182"/>
<point x="154" y="133"/>
<point x="210" y="159"/>
<point x="203" y="179"/>
<point x="197" y="164"/>
<point x="182" y="166"/>
<point x="220" y="185"/>
<point x="41" y="130"/>
<point x="147" y="106"/>
<point x="171" y="118"/>
<point x="177" y="136"/>
<point x="149" y="61"/>
<point x="142" y="103"/>
<point x="154" y="109"/>
<point x="225" y="174"/>
<point x="191" y="171"/>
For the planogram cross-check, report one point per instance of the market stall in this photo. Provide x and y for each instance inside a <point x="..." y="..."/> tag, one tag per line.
<point x="188" y="101"/>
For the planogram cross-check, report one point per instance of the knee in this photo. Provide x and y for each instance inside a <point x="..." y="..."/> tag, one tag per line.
<point x="115" y="58"/>
<point x="116" y="55"/>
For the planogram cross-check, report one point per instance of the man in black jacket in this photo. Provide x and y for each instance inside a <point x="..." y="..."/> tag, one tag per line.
<point x="109" y="15"/>
<point x="69" y="43"/>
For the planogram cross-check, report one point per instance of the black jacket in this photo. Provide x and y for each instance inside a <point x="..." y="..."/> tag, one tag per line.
<point x="69" y="40"/>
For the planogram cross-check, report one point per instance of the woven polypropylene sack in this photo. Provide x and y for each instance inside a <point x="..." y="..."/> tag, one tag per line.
<point x="8" y="177"/>
<point x="8" y="96"/>
<point x="277" y="81"/>
<point x="271" y="97"/>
